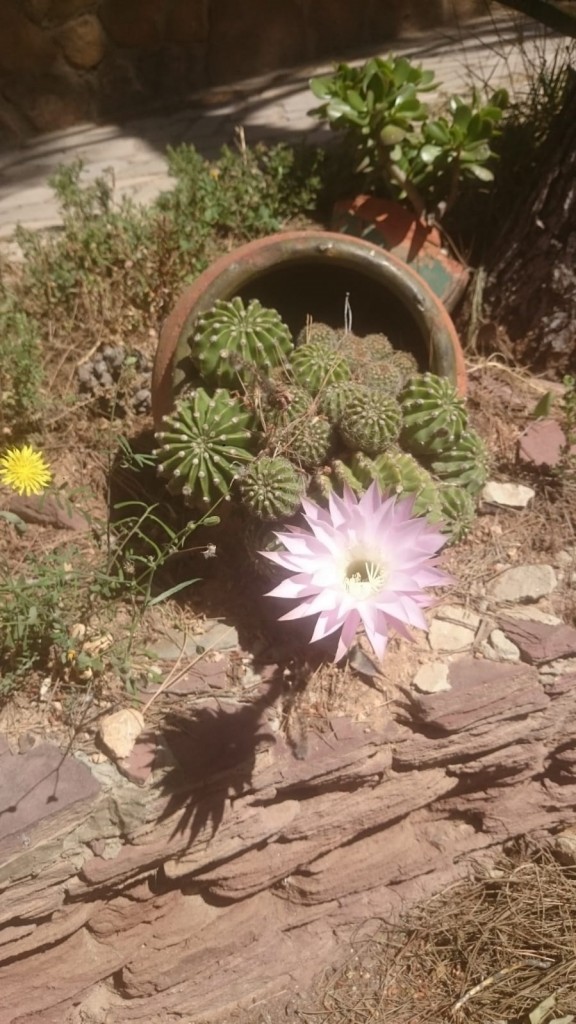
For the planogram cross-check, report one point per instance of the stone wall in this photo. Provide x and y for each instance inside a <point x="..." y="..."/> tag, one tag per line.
<point x="250" y="864"/>
<point x="65" y="61"/>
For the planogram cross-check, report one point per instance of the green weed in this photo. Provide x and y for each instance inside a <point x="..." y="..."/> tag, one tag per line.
<point x="20" y="369"/>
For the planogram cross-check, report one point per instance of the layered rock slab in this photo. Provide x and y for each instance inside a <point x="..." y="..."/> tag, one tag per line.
<point x="190" y="896"/>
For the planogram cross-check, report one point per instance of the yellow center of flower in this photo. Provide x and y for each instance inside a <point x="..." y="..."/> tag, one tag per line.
<point x="364" y="578"/>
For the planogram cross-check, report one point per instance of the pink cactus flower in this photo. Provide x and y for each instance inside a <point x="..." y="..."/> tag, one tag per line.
<point x="361" y="560"/>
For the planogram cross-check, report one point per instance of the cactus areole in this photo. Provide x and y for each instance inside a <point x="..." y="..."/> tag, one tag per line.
<point x="317" y="274"/>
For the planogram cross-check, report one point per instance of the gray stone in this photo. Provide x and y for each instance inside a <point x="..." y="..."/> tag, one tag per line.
<point x="523" y="583"/>
<point x="508" y="494"/>
<point x="504" y="648"/>
<point x="217" y="636"/>
<point x="560" y="667"/>
<point x="459" y="614"/>
<point x="532" y="614"/>
<point x="119" y="731"/>
<point x="432" y="678"/>
<point x="36" y="785"/>
<point x="450" y="636"/>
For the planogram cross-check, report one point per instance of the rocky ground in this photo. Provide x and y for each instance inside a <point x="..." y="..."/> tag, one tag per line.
<point x="216" y="842"/>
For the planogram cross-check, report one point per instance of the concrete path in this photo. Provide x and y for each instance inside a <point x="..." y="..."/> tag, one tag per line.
<point x="274" y="109"/>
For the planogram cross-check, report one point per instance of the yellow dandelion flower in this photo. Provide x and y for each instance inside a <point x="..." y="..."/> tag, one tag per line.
<point x="24" y="470"/>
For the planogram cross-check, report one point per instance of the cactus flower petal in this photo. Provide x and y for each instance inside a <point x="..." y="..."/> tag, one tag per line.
<point x="360" y="561"/>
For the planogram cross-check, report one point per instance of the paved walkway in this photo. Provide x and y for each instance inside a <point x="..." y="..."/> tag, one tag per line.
<point x="274" y="109"/>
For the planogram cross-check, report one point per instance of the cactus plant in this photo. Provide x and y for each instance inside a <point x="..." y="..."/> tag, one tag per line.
<point x="283" y="403"/>
<point x="398" y="473"/>
<point x="371" y="422"/>
<point x="382" y="376"/>
<point x="202" y="443"/>
<point x="317" y="332"/>
<point x="464" y="464"/>
<point x="405" y="363"/>
<point x="332" y="401"/>
<point x="457" y="511"/>
<point x="434" y="415"/>
<point x="259" y="537"/>
<point x="316" y="364"/>
<point x="271" y="487"/>
<point x="306" y="441"/>
<point x="372" y="348"/>
<point x="230" y="338"/>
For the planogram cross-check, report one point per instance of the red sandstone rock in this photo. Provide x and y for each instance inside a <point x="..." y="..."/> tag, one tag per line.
<point x="539" y="642"/>
<point x="245" y="878"/>
<point x="542" y="443"/>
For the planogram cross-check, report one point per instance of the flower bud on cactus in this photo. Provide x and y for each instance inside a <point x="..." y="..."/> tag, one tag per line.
<point x="231" y="338"/>
<point x="202" y="443"/>
<point x="371" y="422"/>
<point x="465" y="463"/>
<point x="457" y="511"/>
<point x="434" y="415"/>
<point x="271" y="487"/>
<point x="316" y="365"/>
<point x="306" y="441"/>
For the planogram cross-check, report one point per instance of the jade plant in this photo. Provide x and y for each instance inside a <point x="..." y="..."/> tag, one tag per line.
<point x="330" y="411"/>
<point x="398" y="141"/>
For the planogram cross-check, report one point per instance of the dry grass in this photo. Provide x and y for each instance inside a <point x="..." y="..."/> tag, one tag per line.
<point x="487" y="951"/>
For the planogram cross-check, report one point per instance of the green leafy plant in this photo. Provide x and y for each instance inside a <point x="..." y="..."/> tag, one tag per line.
<point x="21" y="370"/>
<point x="396" y="140"/>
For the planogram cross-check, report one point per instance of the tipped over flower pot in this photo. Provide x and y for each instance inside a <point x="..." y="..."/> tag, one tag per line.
<point x="325" y="276"/>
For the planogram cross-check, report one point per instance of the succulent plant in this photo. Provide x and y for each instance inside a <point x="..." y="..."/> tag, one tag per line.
<point x="232" y="337"/>
<point x="465" y="463"/>
<point x="261" y="536"/>
<point x="371" y="422"/>
<point x="316" y="364"/>
<point x="332" y="400"/>
<point x="202" y="444"/>
<point x="306" y="441"/>
<point x="373" y="348"/>
<point x="434" y="415"/>
<point x="283" y="403"/>
<point x="317" y="332"/>
<point x="405" y="363"/>
<point x="398" y="473"/>
<point x="457" y="511"/>
<point x="381" y="376"/>
<point x="271" y="487"/>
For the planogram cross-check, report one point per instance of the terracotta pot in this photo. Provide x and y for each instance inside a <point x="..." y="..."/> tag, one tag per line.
<point x="400" y="232"/>
<point x="312" y="273"/>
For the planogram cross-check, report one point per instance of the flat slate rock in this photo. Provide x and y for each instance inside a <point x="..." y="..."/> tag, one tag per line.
<point x="542" y="443"/>
<point x="36" y="785"/>
<point x="538" y="642"/>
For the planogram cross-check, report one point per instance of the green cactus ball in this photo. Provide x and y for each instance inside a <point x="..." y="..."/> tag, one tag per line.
<point x="271" y="487"/>
<point x="232" y="338"/>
